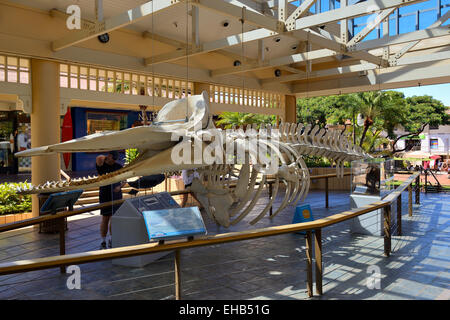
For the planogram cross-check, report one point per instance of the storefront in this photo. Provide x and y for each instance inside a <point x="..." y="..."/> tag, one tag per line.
<point x="89" y="121"/>
<point x="15" y="135"/>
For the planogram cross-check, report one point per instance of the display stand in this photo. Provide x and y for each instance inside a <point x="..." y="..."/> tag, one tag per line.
<point x="370" y="183"/>
<point x="128" y="226"/>
<point x="54" y="203"/>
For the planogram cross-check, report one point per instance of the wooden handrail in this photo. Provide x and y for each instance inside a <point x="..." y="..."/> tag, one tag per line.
<point x="65" y="214"/>
<point x="398" y="191"/>
<point x="122" y="252"/>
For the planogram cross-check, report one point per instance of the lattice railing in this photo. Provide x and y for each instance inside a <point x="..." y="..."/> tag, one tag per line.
<point x="112" y="81"/>
<point x="245" y="97"/>
<point x="14" y="69"/>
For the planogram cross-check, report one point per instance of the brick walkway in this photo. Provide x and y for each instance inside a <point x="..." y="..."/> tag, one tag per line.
<point x="442" y="177"/>
<point x="265" y="268"/>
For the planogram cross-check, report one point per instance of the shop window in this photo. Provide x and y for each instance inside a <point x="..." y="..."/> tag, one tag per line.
<point x="6" y="135"/>
<point x="434" y="144"/>
<point x="2" y="68"/>
<point x="15" y="135"/>
<point x="99" y="122"/>
<point x="434" y="126"/>
<point x="413" y="144"/>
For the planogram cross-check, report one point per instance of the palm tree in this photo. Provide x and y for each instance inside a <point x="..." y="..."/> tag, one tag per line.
<point x="370" y="107"/>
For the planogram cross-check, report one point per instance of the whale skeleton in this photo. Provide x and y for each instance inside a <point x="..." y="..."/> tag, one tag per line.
<point x="234" y="165"/>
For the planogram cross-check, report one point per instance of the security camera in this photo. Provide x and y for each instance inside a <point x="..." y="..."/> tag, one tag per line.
<point x="103" y="38"/>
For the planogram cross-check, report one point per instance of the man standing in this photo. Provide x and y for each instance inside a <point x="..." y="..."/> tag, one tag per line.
<point x="107" y="164"/>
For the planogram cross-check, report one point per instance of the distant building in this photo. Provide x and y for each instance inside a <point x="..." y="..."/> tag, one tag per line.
<point x="434" y="140"/>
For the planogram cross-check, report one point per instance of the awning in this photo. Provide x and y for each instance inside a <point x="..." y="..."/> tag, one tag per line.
<point x="415" y="155"/>
<point x="412" y="137"/>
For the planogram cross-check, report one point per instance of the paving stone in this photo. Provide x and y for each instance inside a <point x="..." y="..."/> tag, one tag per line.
<point x="265" y="268"/>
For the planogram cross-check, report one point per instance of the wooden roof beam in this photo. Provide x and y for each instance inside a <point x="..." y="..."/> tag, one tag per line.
<point x="119" y="21"/>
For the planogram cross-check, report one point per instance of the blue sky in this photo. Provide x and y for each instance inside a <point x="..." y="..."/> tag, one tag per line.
<point x="407" y="23"/>
<point x="437" y="91"/>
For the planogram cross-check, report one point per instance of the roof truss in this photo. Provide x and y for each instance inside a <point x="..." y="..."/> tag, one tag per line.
<point x="119" y="21"/>
<point x="297" y="23"/>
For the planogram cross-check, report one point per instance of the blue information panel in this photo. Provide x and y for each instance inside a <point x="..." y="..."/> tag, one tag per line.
<point x="174" y="223"/>
<point x="303" y="213"/>
<point x="61" y="200"/>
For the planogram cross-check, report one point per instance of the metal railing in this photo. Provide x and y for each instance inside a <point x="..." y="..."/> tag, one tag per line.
<point x="309" y="227"/>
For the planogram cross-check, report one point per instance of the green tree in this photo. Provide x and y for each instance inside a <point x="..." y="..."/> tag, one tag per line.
<point x="229" y="119"/>
<point x="326" y="110"/>
<point x="370" y="106"/>
<point x="422" y="110"/>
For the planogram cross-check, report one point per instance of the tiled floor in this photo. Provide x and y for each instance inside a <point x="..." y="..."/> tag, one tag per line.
<point x="265" y="268"/>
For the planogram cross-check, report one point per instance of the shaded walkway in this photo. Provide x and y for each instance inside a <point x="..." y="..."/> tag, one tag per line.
<point x="265" y="268"/>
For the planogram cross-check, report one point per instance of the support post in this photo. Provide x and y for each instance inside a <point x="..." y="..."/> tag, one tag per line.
<point x="318" y="254"/>
<point x="177" y="275"/>
<point x="199" y="87"/>
<point x="387" y="230"/>
<point x="290" y="109"/>
<point x="410" y="208"/>
<point x="418" y="190"/>
<point x="309" y="284"/>
<point x="399" y="215"/>
<point x="270" y="197"/>
<point x="326" y="192"/>
<point x="426" y="181"/>
<point x="45" y="124"/>
<point x="62" y="241"/>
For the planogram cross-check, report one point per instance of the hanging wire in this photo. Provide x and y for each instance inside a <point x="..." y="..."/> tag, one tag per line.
<point x="153" y="71"/>
<point x="307" y="65"/>
<point x="242" y="20"/>
<point x="187" y="54"/>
